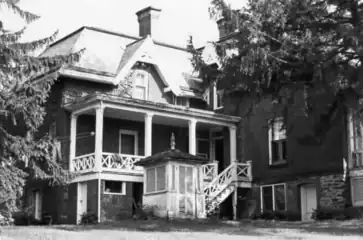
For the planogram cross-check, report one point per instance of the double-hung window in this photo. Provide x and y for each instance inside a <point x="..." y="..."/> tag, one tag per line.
<point x="140" y="86"/>
<point x="277" y="142"/>
<point x="273" y="197"/>
<point x="155" y="179"/>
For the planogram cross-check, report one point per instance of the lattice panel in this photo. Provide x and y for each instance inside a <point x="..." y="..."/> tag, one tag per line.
<point x="83" y="163"/>
<point x="120" y="161"/>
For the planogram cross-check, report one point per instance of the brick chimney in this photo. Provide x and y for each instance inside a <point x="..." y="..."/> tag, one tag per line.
<point x="148" y="18"/>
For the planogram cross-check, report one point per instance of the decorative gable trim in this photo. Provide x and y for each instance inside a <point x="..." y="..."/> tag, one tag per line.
<point x="145" y="53"/>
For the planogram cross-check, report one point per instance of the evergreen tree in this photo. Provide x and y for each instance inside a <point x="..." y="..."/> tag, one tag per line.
<point x="283" y="48"/>
<point x="25" y="82"/>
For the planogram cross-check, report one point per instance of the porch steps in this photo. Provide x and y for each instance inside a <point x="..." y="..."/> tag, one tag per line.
<point x="220" y="188"/>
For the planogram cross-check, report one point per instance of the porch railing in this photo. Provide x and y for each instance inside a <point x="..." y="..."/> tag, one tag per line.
<point x="120" y="162"/>
<point x="83" y="163"/>
<point x="109" y="161"/>
<point x="210" y="170"/>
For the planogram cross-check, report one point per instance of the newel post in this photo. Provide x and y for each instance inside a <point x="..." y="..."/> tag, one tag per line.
<point x="249" y="170"/>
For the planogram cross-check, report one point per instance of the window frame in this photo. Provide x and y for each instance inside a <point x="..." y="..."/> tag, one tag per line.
<point x="155" y="180"/>
<point x="136" y="142"/>
<point x="270" y="139"/>
<point x="217" y="93"/>
<point x="175" y="101"/>
<point x="206" y="155"/>
<point x="123" y="188"/>
<point x="145" y="86"/>
<point x="352" y="138"/>
<point x="273" y="195"/>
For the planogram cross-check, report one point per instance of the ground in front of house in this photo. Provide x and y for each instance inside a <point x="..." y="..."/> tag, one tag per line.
<point x="162" y="230"/>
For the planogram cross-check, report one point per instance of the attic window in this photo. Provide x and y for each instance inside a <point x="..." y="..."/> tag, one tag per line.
<point x="180" y="101"/>
<point x="140" y="86"/>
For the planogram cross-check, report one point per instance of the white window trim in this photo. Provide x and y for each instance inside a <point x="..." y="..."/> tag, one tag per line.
<point x="270" y="132"/>
<point x="273" y="195"/>
<point x="146" y="86"/>
<point x="165" y="185"/>
<point x="351" y="141"/>
<point x="136" y="143"/>
<point x="175" y="102"/>
<point x="215" y="98"/>
<point x="123" y="188"/>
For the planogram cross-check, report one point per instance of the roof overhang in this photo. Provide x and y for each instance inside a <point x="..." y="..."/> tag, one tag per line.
<point x="148" y="106"/>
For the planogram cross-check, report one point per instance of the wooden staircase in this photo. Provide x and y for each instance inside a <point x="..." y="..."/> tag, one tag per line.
<point x="224" y="184"/>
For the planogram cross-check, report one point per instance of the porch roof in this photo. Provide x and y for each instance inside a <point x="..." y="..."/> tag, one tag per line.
<point x="109" y="101"/>
<point x="172" y="155"/>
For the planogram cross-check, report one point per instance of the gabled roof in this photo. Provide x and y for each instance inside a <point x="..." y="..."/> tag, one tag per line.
<point x="109" y="56"/>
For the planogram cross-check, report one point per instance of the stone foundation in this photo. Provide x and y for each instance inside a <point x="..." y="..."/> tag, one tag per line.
<point x="332" y="191"/>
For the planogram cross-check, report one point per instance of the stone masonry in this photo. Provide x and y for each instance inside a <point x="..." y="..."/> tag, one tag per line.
<point x="332" y="191"/>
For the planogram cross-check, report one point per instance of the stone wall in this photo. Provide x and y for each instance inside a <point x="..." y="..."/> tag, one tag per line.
<point x="332" y="191"/>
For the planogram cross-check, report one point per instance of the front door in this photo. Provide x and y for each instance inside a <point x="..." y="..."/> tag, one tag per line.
<point x="37" y="204"/>
<point x="308" y="201"/>
<point x="186" y="191"/>
<point x="81" y="200"/>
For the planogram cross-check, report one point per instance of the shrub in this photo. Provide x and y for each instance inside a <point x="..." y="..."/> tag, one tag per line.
<point x="337" y="214"/>
<point x="278" y="215"/>
<point x="88" y="218"/>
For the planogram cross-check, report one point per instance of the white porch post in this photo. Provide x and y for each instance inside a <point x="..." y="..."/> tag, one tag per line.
<point x="192" y="136"/>
<point x="233" y="159"/>
<point x="72" y="147"/>
<point x="233" y="143"/>
<point x="99" y="138"/>
<point x="148" y="134"/>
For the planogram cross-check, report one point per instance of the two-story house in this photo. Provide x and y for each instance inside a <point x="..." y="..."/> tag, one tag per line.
<point x="120" y="103"/>
<point x="291" y="173"/>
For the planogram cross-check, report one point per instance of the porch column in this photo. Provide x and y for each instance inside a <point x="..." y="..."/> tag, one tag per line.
<point x="233" y="143"/>
<point x="192" y="136"/>
<point x="99" y="138"/>
<point x="148" y="134"/>
<point x="72" y="147"/>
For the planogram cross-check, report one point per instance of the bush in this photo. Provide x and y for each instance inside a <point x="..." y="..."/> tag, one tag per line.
<point x="278" y="215"/>
<point x="337" y="214"/>
<point x="88" y="218"/>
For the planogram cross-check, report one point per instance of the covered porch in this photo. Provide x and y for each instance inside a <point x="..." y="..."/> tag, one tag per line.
<point x="124" y="130"/>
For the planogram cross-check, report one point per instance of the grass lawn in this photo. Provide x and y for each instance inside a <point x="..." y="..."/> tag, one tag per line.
<point x="188" y="230"/>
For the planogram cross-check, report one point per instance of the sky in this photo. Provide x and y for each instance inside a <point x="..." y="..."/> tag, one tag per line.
<point x="178" y="20"/>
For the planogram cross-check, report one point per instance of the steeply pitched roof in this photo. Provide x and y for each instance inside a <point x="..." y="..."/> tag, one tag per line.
<point x="108" y="56"/>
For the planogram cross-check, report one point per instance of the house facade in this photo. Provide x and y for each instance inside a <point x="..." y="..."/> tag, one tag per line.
<point x="121" y="103"/>
<point x="293" y="172"/>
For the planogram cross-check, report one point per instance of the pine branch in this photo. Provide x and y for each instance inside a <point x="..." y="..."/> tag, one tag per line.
<point x="27" y="16"/>
<point x="13" y="37"/>
<point x="28" y="47"/>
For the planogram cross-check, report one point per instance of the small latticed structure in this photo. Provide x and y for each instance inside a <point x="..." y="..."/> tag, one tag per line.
<point x="173" y="183"/>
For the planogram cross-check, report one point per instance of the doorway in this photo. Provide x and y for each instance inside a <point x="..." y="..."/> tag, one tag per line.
<point x="38" y="202"/>
<point x="308" y="201"/>
<point x="137" y="193"/>
<point x="81" y="200"/>
<point x="187" y="191"/>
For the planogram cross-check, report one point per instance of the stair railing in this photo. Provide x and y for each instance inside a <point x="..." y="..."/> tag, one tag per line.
<point x="220" y="182"/>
